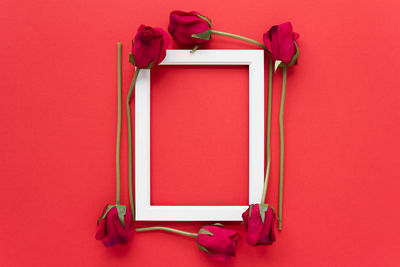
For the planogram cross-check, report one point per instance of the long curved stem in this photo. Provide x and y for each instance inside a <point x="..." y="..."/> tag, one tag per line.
<point x="129" y="121"/>
<point x="168" y="229"/>
<point x="235" y="36"/>
<point x="268" y="141"/>
<point x="118" y="145"/>
<point x="282" y="147"/>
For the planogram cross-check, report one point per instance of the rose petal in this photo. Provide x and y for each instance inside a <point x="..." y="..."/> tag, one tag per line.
<point x="124" y="232"/>
<point x="183" y="25"/>
<point x="286" y="45"/>
<point x="255" y="226"/>
<point x="101" y="230"/>
<point x="150" y="45"/>
<point x="112" y="238"/>
<point x="223" y="241"/>
<point x="267" y="236"/>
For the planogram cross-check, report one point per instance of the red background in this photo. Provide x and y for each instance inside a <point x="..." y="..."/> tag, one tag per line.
<point x="58" y="118"/>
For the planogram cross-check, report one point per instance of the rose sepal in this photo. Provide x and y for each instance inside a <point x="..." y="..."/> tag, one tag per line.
<point x="121" y="209"/>
<point x="132" y="61"/>
<point x="205" y="232"/>
<point x="262" y="209"/>
<point x="194" y="49"/>
<point x="206" y="35"/>
<point x="203" y="248"/>
<point x="205" y="18"/>
<point x="280" y="64"/>
<point x="295" y="57"/>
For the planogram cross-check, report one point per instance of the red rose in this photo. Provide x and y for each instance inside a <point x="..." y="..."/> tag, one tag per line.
<point x="183" y="25"/>
<point x="149" y="47"/>
<point x="259" y="220"/>
<point x="110" y="229"/>
<point x="279" y="40"/>
<point x="218" y="241"/>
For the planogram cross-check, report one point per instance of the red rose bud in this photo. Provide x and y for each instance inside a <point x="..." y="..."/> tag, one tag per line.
<point x="259" y="220"/>
<point x="149" y="47"/>
<point x="114" y="225"/>
<point x="189" y="28"/>
<point x="218" y="241"/>
<point x="280" y="42"/>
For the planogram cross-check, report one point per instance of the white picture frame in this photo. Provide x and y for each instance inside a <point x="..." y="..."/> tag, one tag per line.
<point x="147" y="212"/>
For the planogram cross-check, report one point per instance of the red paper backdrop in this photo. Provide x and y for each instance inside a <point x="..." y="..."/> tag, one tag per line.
<point x="58" y="119"/>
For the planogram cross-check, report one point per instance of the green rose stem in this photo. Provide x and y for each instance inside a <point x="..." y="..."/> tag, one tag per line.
<point x="118" y="146"/>
<point x="168" y="229"/>
<point x="268" y="141"/>
<point x="128" y="117"/>
<point x="235" y="36"/>
<point x="282" y="147"/>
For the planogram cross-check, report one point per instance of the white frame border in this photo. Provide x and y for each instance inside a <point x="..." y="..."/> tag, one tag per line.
<point x="144" y="210"/>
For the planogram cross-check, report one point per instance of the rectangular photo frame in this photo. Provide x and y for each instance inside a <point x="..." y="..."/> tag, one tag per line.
<point x="147" y="212"/>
